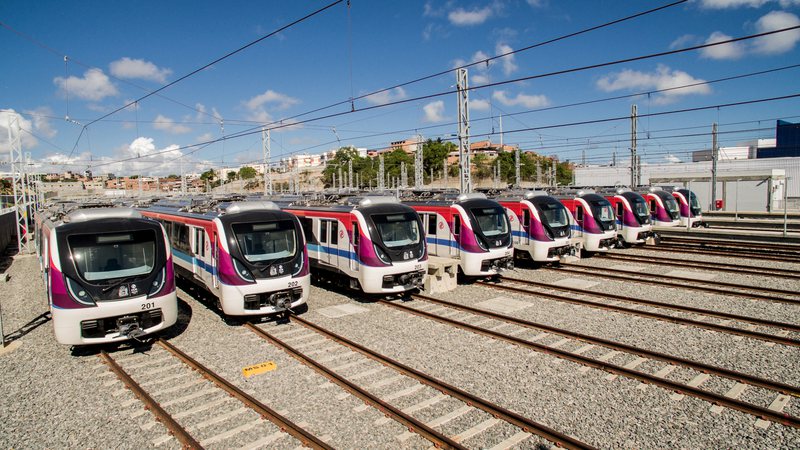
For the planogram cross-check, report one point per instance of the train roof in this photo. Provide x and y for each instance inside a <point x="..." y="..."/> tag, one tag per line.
<point x="209" y="208"/>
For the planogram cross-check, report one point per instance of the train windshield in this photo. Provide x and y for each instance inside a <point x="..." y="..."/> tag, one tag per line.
<point x="491" y="221"/>
<point x="555" y="214"/>
<point x="106" y="256"/>
<point x="670" y="204"/>
<point x="266" y="241"/>
<point x="397" y="230"/>
<point x="696" y="210"/>
<point x="639" y="207"/>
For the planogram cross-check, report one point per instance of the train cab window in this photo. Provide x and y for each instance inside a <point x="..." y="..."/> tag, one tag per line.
<point x="620" y="209"/>
<point x="431" y="224"/>
<point x="334" y="232"/>
<point x="526" y="218"/>
<point x="355" y="234"/>
<point x="456" y="225"/>
<point x="579" y="213"/>
<point x="323" y="231"/>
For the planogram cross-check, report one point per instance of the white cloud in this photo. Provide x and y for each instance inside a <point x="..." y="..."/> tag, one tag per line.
<point x="434" y="111"/>
<point x="662" y="78"/>
<point x="41" y="123"/>
<point x="164" y="123"/>
<point x="461" y="17"/>
<point x="204" y="137"/>
<point x="26" y="139"/>
<point x="139" y="69"/>
<point x="480" y="78"/>
<point x="733" y="50"/>
<point x="479" y="105"/>
<point x="672" y="158"/>
<point x="384" y="97"/>
<point x="94" y="86"/>
<point x="683" y="41"/>
<point x="525" y="100"/>
<point x="725" y="4"/>
<point x="777" y="43"/>
<point x="281" y="101"/>
<point x="509" y="66"/>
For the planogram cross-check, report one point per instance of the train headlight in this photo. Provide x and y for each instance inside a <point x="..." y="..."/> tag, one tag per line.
<point x="481" y="244"/>
<point x="382" y="255"/>
<point x="243" y="271"/>
<point x="158" y="283"/>
<point x="78" y="293"/>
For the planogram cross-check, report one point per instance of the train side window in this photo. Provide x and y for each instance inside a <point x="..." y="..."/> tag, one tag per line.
<point x="334" y="232"/>
<point x="456" y="225"/>
<point x="308" y="230"/>
<point x="431" y="224"/>
<point x="620" y="209"/>
<point x="181" y="237"/>
<point x="355" y="234"/>
<point x="526" y="217"/>
<point x="579" y="213"/>
<point x="323" y="231"/>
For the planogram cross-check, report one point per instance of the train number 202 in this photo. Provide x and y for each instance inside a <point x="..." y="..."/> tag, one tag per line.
<point x="294" y="283"/>
<point x="146" y="306"/>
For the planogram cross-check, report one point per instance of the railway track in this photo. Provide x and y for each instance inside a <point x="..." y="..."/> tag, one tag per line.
<point x="728" y="289"/>
<point x="736" y="245"/>
<point x="676" y="248"/>
<point x="583" y="344"/>
<point x="720" y="267"/>
<point x="784" y="328"/>
<point x="178" y="387"/>
<point x="494" y="414"/>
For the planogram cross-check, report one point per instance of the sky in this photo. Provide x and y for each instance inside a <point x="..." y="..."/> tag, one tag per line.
<point x="96" y="110"/>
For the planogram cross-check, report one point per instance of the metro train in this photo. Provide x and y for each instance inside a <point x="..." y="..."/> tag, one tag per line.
<point x="664" y="210"/>
<point x="107" y="271"/>
<point x="250" y="255"/>
<point x="541" y="226"/>
<point x="595" y="222"/>
<point x="633" y="216"/>
<point x="689" y="206"/>
<point x="470" y="228"/>
<point x="374" y="243"/>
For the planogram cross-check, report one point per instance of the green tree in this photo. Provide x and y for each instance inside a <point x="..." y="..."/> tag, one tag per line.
<point x="208" y="175"/>
<point x="247" y="172"/>
<point x="230" y="176"/>
<point x="434" y="154"/>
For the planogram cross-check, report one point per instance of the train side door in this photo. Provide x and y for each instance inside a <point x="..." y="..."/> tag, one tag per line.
<point x="454" y="249"/>
<point x="431" y="229"/>
<point x="214" y="258"/>
<point x="620" y="215"/>
<point x="336" y="238"/>
<point x="353" y="257"/>
<point x="525" y="226"/>
<point x="579" y="217"/>
<point x="194" y="245"/>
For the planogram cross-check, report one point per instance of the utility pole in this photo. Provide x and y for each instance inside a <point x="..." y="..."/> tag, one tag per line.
<point x="381" y="175"/>
<point x="554" y="171"/>
<point x="403" y="174"/>
<point x="714" y="157"/>
<point x="517" y="167"/>
<point x="614" y="159"/>
<point x="463" y="132"/>
<point x="341" y="181"/>
<point x="266" y="147"/>
<point x="350" y="173"/>
<point x="634" y="159"/>
<point x="445" y="174"/>
<point x="538" y="173"/>
<point x="20" y="190"/>
<point x="418" y="169"/>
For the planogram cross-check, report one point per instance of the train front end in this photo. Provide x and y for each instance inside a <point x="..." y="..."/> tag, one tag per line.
<point x="262" y="263"/>
<point x="487" y="247"/>
<point x="392" y="249"/>
<point x="110" y="277"/>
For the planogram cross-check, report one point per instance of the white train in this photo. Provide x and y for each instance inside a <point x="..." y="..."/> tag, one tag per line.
<point x="250" y="255"/>
<point x="107" y="271"/>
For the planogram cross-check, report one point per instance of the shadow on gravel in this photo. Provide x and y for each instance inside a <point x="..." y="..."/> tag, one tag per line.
<point x="7" y="256"/>
<point x="35" y="323"/>
<point x="359" y="296"/>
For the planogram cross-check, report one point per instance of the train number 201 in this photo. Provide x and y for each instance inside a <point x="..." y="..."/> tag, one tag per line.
<point x="146" y="306"/>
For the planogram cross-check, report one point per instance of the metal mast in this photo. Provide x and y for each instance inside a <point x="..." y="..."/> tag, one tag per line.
<point x="463" y="132"/>
<point x="403" y="174"/>
<point x="266" y="147"/>
<point x="634" y="158"/>
<point x="350" y="173"/>
<point x="517" y="172"/>
<point x="18" y="183"/>
<point x="381" y="175"/>
<point x="418" y="182"/>
<point x="714" y="158"/>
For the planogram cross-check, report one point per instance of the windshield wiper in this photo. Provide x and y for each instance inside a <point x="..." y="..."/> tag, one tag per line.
<point x="119" y="283"/>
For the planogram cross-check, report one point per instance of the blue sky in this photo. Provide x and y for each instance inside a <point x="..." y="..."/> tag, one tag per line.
<point x="118" y="52"/>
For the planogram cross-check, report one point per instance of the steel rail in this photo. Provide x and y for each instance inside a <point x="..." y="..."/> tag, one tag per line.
<point x="664" y="317"/>
<point x="676" y="360"/>
<point x="720" y="267"/>
<point x="691" y="309"/>
<point x="699" y="251"/>
<point x="732" y="242"/>
<point x="286" y="425"/>
<point x="174" y="428"/>
<point x="414" y="425"/>
<point x="518" y="420"/>
<point x="666" y="280"/>
<point x="717" y="399"/>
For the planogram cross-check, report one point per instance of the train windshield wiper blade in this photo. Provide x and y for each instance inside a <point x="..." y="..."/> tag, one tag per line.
<point x="118" y="283"/>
